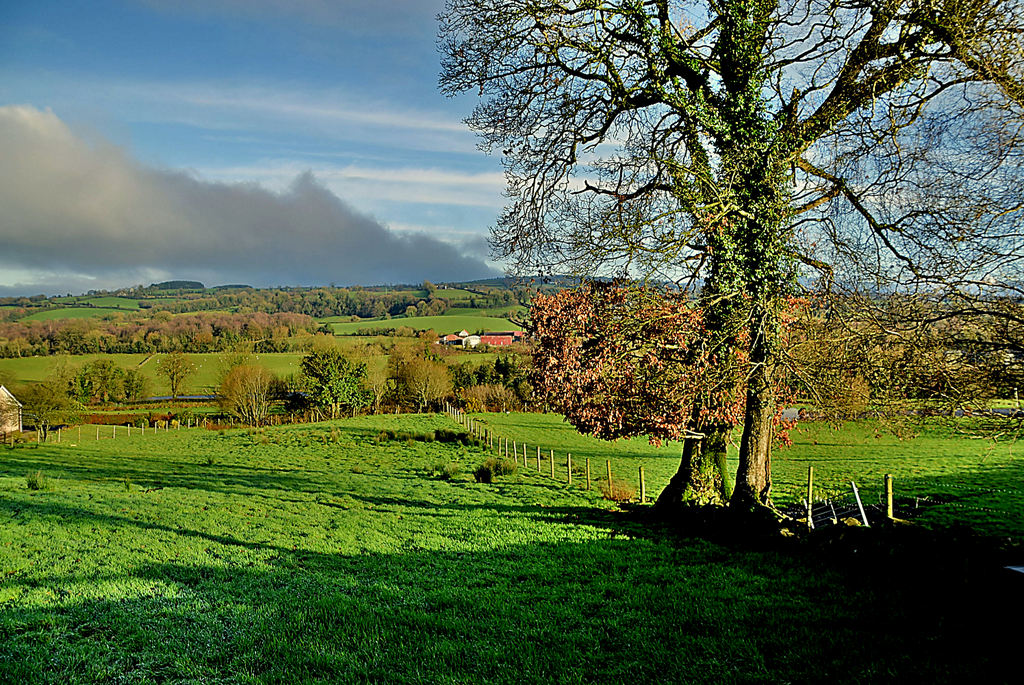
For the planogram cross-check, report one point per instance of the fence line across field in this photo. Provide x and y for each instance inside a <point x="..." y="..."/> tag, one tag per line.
<point x="512" y="449"/>
<point x="818" y="505"/>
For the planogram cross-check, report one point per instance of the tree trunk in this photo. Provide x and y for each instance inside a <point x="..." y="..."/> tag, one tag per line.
<point x="702" y="477"/>
<point x="754" y="476"/>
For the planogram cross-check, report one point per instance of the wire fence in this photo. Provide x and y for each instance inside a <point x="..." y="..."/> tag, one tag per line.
<point x="561" y="467"/>
<point x="988" y="510"/>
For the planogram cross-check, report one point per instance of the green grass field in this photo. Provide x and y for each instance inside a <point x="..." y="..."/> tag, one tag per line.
<point x="100" y="301"/>
<point x="501" y="312"/>
<point x="986" y="478"/>
<point x="322" y="553"/>
<point x="447" y="323"/>
<point x="456" y="294"/>
<point x="72" y="313"/>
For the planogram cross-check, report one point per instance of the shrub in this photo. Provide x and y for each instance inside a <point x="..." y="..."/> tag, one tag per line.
<point x="618" y="491"/>
<point x="35" y="480"/>
<point x="483" y="474"/>
<point x="488" y="397"/>
<point x="503" y="467"/>
<point x="446" y="471"/>
<point x="493" y="467"/>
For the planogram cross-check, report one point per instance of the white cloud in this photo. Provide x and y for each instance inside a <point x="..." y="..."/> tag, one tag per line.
<point x="335" y="111"/>
<point x="270" y="110"/>
<point x="379" y="185"/>
<point x="89" y="209"/>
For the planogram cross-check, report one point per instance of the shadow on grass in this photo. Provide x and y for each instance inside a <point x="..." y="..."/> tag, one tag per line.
<point x="611" y="610"/>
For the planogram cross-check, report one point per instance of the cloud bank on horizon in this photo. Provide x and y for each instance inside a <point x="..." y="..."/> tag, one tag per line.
<point x="82" y="214"/>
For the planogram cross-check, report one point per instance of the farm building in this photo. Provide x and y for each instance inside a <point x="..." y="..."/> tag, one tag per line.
<point x="466" y="340"/>
<point x="10" y="412"/>
<point x="492" y="339"/>
<point x="517" y="336"/>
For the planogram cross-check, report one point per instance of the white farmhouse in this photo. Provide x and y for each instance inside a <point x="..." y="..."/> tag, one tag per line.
<point x="10" y="412"/>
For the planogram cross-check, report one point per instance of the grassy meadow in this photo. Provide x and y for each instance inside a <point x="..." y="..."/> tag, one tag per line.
<point x="72" y="313"/>
<point x="335" y="553"/>
<point x="986" y="478"/>
<point x="443" y="324"/>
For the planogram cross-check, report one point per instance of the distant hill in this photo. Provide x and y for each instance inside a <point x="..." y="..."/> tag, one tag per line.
<point x="178" y="285"/>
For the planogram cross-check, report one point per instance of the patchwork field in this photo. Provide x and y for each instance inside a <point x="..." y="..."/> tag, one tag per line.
<point x="338" y="552"/>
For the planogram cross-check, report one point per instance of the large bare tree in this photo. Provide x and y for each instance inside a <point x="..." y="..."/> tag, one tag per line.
<point x="738" y="146"/>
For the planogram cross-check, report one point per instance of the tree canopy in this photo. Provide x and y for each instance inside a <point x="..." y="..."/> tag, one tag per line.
<point x="177" y="368"/>
<point x="334" y="382"/>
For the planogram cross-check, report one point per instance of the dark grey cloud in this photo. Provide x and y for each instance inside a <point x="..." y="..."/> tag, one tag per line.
<point x="86" y="212"/>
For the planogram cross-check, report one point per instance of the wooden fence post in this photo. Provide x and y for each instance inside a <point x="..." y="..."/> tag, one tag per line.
<point x="608" y="467"/>
<point x="860" y="505"/>
<point x="810" y="495"/>
<point x="643" y="487"/>
<point x="888" y="497"/>
<point x="79" y="435"/>
<point x="114" y="436"/>
<point x="97" y="431"/>
<point x="568" y="468"/>
<point x="588" y="473"/>
<point x="552" y="463"/>
<point x="538" y="458"/>
<point x="58" y="435"/>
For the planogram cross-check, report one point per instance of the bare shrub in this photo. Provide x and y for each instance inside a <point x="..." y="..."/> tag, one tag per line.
<point x="618" y="491"/>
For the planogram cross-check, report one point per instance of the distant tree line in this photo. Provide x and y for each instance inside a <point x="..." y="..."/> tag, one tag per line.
<point x="320" y="302"/>
<point x="196" y="333"/>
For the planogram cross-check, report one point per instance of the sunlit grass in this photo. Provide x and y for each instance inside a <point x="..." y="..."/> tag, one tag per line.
<point x="335" y="553"/>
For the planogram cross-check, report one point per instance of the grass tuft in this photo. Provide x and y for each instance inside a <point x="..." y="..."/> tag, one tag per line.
<point x="618" y="491"/>
<point x="494" y="467"/>
<point x="35" y="480"/>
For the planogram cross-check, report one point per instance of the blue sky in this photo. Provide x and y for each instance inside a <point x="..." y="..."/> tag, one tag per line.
<point x="272" y="142"/>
